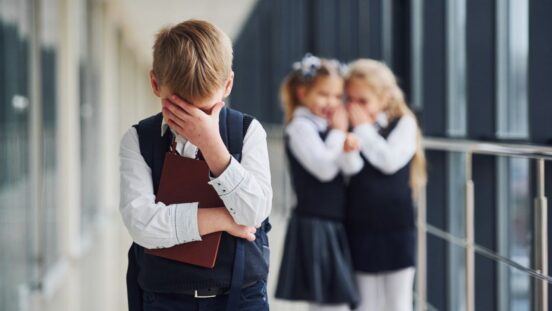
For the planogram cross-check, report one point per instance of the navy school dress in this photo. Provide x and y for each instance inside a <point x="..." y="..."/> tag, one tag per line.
<point x="380" y="217"/>
<point x="238" y="262"/>
<point x="316" y="264"/>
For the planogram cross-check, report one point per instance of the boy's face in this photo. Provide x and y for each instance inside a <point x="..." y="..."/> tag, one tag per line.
<point x="205" y="104"/>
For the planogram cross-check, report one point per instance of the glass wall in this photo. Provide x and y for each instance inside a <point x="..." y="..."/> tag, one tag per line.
<point x="15" y="183"/>
<point x="42" y="222"/>
<point x="49" y="21"/>
<point x="514" y="236"/>
<point x="89" y="112"/>
<point x="512" y="49"/>
<point x="456" y="67"/>
<point x="456" y="228"/>
<point x="416" y="54"/>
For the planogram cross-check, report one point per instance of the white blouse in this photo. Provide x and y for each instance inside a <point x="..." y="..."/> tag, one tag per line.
<point x="322" y="158"/>
<point x="391" y="154"/>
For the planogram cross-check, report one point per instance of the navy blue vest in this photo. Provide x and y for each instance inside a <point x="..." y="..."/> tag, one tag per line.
<point x="158" y="274"/>
<point x="380" y="218"/>
<point x="378" y="202"/>
<point x="314" y="197"/>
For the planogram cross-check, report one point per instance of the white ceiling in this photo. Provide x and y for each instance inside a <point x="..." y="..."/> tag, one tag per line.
<point x="142" y="19"/>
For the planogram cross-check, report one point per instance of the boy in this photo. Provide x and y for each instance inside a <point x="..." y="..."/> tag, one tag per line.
<point x="192" y="73"/>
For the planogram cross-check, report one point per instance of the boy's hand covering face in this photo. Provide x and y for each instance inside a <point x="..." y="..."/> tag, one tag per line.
<point x="194" y="124"/>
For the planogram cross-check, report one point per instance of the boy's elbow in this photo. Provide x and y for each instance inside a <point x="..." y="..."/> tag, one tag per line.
<point x="139" y="236"/>
<point x="258" y="212"/>
<point x="139" y="239"/>
<point x="149" y="243"/>
<point x="245" y="220"/>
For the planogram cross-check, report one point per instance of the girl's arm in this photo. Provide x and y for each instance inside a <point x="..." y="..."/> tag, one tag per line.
<point x="392" y="154"/>
<point x="318" y="157"/>
<point x="350" y="163"/>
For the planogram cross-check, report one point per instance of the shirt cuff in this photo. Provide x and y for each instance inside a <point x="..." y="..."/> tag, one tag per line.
<point x="351" y="157"/>
<point x="187" y="229"/>
<point x="351" y="162"/>
<point x="336" y="138"/>
<point x="365" y="131"/>
<point x="229" y="180"/>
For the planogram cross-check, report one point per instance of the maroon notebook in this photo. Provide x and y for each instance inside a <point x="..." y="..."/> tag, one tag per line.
<point x="184" y="180"/>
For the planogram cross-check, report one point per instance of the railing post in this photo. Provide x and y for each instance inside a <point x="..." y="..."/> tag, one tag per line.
<point x="470" y="235"/>
<point x="421" y="261"/>
<point x="541" y="240"/>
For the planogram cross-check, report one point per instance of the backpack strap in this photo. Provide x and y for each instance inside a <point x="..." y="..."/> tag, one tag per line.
<point x="234" y="128"/>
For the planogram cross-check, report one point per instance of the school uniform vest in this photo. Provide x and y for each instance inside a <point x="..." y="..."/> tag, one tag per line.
<point x="314" y="197"/>
<point x="158" y="274"/>
<point x="380" y="217"/>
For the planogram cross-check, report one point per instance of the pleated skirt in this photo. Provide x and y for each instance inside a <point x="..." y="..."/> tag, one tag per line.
<point x="316" y="265"/>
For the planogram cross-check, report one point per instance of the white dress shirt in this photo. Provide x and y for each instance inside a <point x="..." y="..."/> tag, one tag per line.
<point x="391" y="154"/>
<point x="322" y="158"/>
<point x="244" y="188"/>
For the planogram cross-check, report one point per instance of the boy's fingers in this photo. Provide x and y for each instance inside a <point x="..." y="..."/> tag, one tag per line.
<point x="175" y="125"/>
<point x="171" y="115"/>
<point x="217" y="108"/>
<point x="250" y="237"/>
<point x="177" y="111"/>
<point x="189" y="108"/>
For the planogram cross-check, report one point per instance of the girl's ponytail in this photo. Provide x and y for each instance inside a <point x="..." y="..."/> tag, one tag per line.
<point x="288" y="94"/>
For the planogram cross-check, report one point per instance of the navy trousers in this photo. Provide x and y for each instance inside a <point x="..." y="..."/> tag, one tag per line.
<point x="252" y="298"/>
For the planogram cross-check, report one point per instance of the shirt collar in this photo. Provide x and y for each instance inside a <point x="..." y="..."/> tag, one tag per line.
<point x="381" y="120"/>
<point x="321" y="123"/>
<point x="179" y="139"/>
<point x="164" y="127"/>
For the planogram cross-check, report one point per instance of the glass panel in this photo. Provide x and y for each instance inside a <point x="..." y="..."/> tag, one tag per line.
<point x="416" y="58"/>
<point x="514" y="289"/>
<point x="514" y="225"/>
<point x="456" y="67"/>
<point x="15" y="199"/>
<point x="512" y="55"/>
<point x="456" y="227"/>
<point x="457" y="278"/>
<point x="387" y="32"/>
<point x="49" y="30"/>
<point x="456" y="195"/>
<point x="88" y="116"/>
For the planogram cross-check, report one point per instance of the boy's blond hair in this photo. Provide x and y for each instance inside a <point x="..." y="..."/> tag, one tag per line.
<point x="193" y="59"/>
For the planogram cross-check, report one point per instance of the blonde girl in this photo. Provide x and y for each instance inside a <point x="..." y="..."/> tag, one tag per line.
<point x="380" y="209"/>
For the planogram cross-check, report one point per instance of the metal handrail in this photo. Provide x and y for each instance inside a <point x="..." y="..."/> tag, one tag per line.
<point x="489" y="148"/>
<point x="540" y="243"/>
